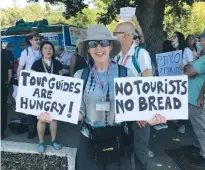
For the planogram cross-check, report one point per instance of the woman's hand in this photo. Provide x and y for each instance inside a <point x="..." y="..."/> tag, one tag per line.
<point x="45" y="117"/>
<point x="157" y="119"/>
<point x="80" y="117"/>
<point x="134" y="18"/>
<point x="200" y="101"/>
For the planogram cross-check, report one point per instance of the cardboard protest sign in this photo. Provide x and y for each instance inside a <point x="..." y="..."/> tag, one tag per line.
<point x="169" y="63"/>
<point x="140" y="98"/>
<point x="42" y="92"/>
<point x="126" y="13"/>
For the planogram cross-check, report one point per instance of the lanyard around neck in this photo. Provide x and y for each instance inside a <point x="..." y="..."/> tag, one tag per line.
<point x="46" y="68"/>
<point x="103" y="85"/>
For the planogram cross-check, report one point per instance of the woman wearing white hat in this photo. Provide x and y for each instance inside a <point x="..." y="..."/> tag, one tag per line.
<point x="101" y="143"/>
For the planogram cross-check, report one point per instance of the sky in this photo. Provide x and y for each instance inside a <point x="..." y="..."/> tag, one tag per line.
<point x="20" y="3"/>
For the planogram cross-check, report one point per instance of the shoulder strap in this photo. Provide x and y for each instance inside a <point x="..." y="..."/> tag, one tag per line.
<point x="84" y="76"/>
<point x="118" y="59"/>
<point x="26" y="51"/>
<point x="122" y="71"/>
<point x="135" y="58"/>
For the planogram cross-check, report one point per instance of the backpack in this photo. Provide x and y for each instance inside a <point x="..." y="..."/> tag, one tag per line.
<point x="128" y="138"/>
<point x="18" y="125"/>
<point x="135" y="62"/>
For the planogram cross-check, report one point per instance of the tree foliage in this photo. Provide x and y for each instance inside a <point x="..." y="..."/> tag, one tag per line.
<point x="193" y="23"/>
<point x="153" y="15"/>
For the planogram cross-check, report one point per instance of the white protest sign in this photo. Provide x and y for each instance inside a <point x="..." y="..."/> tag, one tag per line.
<point x="140" y="98"/>
<point x="126" y="13"/>
<point x="169" y="63"/>
<point x="52" y="37"/>
<point x="42" y="92"/>
<point x="76" y="33"/>
<point x="70" y="49"/>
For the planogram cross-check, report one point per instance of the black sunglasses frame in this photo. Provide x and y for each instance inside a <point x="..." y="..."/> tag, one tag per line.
<point x="98" y="42"/>
<point x="136" y="37"/>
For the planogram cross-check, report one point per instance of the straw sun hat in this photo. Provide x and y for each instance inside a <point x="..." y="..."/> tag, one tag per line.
<point x="98" y="32"/>
<point x="31" y="35"/>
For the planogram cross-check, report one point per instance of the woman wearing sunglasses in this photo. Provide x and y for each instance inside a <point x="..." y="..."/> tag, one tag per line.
<point x="97" y="113"/>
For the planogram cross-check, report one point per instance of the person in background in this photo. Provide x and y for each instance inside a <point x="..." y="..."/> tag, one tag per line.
<point x="27" y="58"/>
<point x="202" y="44"/>
<point x="14" y="82"/>
<point x="64" y="58"/>
<point x="178" y="42"/>
<point x="191" y="44"/>
<point x="196" y="74"/>
<point x="6" y="76"/>
<point x="167" y="45"/>
<point x="50" y="65"/>
<point x="139" y="36"/>
<point x="125" y="32"/>
<point x="78" y="62"/>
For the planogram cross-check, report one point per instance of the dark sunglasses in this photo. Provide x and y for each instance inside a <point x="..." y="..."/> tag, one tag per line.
<point x="115" y="33"/>
<point x="37" y="39"/>
<point x="136" y="37"/>
<point x="102" y="43"/>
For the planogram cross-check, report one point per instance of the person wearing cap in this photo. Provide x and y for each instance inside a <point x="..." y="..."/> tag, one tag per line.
<point x="100" y="132"/>
<point x="27" y="58"/>
<point x="196" y="74"/>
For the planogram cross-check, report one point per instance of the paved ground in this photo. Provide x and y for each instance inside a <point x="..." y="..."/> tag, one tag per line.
<point x="68" y="135"/>
<point x="26" y="161"/>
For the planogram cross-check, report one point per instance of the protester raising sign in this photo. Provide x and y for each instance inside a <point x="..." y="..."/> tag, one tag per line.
<point x="169" y="63"/>
<point x="140" y="98"/>
<point x="42" y="92"/>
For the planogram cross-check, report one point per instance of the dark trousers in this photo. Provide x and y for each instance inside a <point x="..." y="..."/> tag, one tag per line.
<point x="85" y="160"/>
<point x="4" y="95"/>
<point x="141" y="146"/>
<point x="32" y="123"/>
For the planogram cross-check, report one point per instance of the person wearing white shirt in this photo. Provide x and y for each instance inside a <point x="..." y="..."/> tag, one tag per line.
<point x="64" y="57"/>
<point x="190" y="52"/>
<point x="125" y="32"/>
<point x="27" y="58"/>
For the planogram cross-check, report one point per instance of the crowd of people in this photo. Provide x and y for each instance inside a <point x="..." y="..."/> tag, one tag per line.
<point x="99" y="58"/>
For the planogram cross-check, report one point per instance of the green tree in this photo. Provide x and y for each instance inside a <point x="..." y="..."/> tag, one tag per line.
<point x="193" y="23"/>
<point x="149" y="12"/>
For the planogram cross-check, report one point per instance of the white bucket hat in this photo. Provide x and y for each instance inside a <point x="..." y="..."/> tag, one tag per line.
<point x="98" y="32"/>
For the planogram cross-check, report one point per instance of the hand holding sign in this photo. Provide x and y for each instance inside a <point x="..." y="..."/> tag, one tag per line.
<point x="157" y="119"/>
<point x="134" y="18"/>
